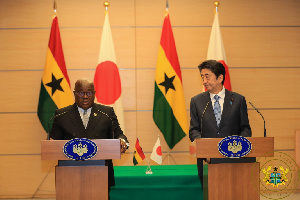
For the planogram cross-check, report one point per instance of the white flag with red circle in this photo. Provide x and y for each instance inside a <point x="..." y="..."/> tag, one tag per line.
<point x="156" y="154"/>
<point x="107" y="78"/>
<point x="216" y="49"/>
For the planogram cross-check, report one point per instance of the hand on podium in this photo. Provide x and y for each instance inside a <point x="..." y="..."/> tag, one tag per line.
<point x="124" y="146"/>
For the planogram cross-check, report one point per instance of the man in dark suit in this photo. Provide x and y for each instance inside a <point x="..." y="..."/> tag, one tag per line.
<point x="86" y="119"/>
<point x="218" y="112"/>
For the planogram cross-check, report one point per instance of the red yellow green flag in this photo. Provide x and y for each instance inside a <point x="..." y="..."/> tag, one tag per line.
<point x="55" y="85"/>
<point x="138" y="155"/>
<point x="169" y="111"/>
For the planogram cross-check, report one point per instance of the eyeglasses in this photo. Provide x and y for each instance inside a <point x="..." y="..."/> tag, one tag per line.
<point x="88" y="93"/>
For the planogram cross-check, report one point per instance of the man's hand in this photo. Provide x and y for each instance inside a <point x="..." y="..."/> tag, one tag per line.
<point x="123" y="146"/>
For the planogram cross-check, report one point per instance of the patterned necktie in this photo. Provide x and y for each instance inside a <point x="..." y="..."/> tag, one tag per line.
<point x="217" y="109"/>
<point x="85" y="118"/>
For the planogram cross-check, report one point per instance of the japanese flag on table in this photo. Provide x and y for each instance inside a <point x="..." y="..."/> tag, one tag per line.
<point x="156" y="154"/>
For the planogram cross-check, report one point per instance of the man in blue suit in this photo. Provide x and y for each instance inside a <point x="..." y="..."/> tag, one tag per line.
<point x="218" y="112"/>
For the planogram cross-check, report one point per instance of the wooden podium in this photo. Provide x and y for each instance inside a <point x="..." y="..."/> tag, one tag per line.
<point x="81" y="181"/>
<point x="233" y="180"/>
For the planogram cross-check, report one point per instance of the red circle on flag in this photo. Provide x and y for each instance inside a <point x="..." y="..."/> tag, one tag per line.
<point x="107" y="83"/>
<point x="158" y="151"/>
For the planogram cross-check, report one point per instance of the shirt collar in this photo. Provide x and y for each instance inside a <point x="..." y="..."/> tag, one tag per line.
<point x="221" y="94"/>
<point x="82" y="110"/>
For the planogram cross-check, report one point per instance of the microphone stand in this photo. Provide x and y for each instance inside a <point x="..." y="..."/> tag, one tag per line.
<point x="112" y="123"/>
<point x="48" y="132"/>
<point x="203" y="116"/>
<point x="265" y="131"/>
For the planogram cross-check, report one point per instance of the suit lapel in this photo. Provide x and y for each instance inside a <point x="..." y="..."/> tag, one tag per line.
<point x="94" y="117"/>
<point x="209" y="111"/>
<point x="226" y="106"/>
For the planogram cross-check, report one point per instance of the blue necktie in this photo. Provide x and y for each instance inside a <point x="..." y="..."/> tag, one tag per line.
<point x="217" y="109"/>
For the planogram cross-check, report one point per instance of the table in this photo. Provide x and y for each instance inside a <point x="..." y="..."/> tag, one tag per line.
<point x="167" y="182"/>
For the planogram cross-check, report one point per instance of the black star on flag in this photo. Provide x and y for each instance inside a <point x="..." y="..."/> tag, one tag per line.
<point x="168" y="83"/>
<point x="55" y="84"/>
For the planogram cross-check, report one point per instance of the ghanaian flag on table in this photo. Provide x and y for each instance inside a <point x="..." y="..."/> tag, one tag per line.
<point x="169" y="111"/>
<point x="138" y="155"/>
<point x="55" y="85"/>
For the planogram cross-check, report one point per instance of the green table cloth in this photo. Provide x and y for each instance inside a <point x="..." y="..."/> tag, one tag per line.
<point x="167" y="182"/>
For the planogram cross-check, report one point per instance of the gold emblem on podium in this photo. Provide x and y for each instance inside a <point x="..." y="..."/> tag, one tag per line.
<point x="80" y="150"/>
<point x="234" y="147"/>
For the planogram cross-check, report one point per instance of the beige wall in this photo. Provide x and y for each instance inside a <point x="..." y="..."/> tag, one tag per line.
<point x="261" y="39"/>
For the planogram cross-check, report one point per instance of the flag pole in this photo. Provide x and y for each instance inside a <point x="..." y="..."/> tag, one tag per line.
<point x="148" y="170"/>
<point x="167" y="5"/>
<point x="54" y="7"/>
<point x="168" y="152"/>
<point x="106" y="5"/>
<point x="168" y="156"/>
<point x="216" y="3"/>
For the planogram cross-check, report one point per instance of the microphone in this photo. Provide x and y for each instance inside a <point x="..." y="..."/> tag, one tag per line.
<point x="112" y="124"/>
<point x="48" y="133"/>
<point x="265" y="131"/>
<point x="203" y="116"/>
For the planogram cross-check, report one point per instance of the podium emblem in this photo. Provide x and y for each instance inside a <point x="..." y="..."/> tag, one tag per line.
<point x="234" y="146"/>
<point x="80" y="149"/>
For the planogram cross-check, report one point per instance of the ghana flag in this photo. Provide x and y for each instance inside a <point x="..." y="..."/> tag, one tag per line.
<point x="169" y="111"/>
<point x="138" y="155"/>
<point x="55" y="87"/>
